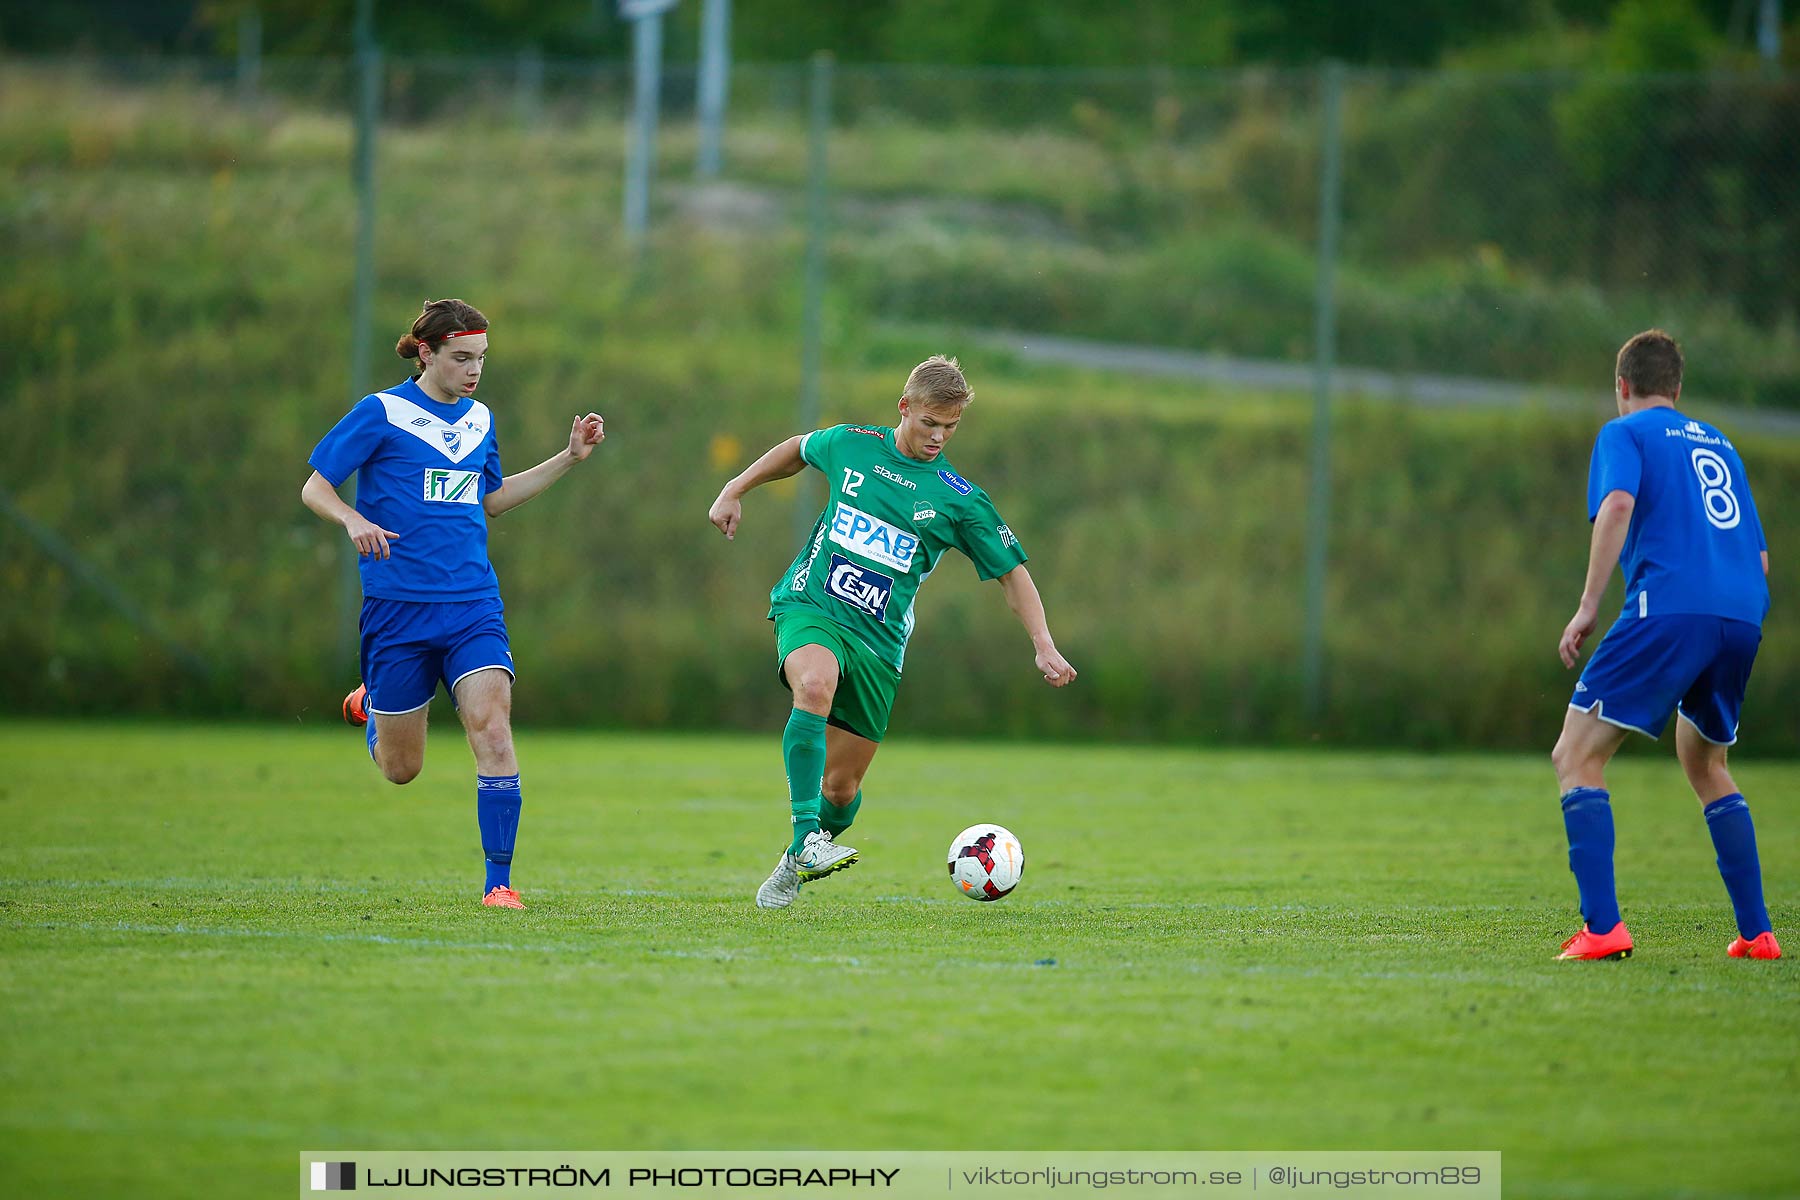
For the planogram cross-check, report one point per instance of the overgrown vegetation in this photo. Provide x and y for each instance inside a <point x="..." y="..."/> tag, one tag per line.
<point x="176" y="296"/>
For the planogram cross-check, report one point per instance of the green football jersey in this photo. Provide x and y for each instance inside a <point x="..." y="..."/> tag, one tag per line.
<point x="887" y="522"/>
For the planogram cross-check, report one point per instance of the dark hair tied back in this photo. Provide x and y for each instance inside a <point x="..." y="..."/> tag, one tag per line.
<point x="439" y="319"/>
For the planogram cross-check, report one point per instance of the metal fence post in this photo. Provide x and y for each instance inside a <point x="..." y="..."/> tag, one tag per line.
<point x="249" y="54"/>
<point x="1318" y="508"/>
<point x="528" y="87"/>
<point x="715" y="68"/>
<point x="362" y="303"/>
<point x="646" y="18"/>
<point x="813" y="298"/>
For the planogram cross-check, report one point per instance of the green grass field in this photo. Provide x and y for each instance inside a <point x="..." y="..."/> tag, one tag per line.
<point x="219" y="946"/>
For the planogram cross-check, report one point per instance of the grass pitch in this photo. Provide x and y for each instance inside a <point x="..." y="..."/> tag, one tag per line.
<point x="219" y="946"/>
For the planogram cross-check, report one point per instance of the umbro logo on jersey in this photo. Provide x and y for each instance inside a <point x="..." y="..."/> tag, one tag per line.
<point x="422" y="422"/>
<point x="451" y="487"/>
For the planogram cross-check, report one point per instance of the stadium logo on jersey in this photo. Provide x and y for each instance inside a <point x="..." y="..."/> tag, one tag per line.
<point x="923" y="512"/>
<point x="956" y="481"/>
<point x="873" y="538"/>
<point x="1006" y="536"/>
<point x="451" y="487"/>
<point x="862" y="589"/>
<point x="902" y="480"/>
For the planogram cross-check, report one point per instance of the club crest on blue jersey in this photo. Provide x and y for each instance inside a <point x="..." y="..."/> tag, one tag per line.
<point x="452" y="439"/>
<point x="873" y="538"/>
<point x="956" y="481"/>
<point x="864" y="590"/>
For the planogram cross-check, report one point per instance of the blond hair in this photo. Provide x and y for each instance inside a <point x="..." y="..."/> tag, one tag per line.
<point x="938" y="381"/>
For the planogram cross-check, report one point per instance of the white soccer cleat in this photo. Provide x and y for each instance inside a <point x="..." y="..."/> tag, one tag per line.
<point x="782" y="885"/>
<point x="819" y="856"/>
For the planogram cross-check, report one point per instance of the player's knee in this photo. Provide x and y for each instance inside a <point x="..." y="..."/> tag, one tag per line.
<point x="401" y="772"/>
<point x="491" y="740"/>
<point x="814" y="693"/>
<point x="1709" y="777"/>
<point x="839" y="790"/>
<point x="1561" y="758"/>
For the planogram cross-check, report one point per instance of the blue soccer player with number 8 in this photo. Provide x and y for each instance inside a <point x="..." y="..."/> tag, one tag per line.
<point x="1670" y="501"/>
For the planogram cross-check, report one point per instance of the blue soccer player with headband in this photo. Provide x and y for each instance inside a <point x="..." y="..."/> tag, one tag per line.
<point x="428" y="480"/>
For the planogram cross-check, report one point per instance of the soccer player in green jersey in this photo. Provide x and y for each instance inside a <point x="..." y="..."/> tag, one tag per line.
<point x="844" y="610"/>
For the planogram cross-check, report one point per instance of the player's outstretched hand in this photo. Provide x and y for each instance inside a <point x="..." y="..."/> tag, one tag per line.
<point x="1575" y="633"/>
<point x="369" y="537"/>
<point x="1056" y="668"/>
<point x="725" y="515"/>
<point x="585" y="434"/>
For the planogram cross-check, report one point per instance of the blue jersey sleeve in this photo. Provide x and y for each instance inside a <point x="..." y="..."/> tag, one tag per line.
<point x="1617" y="465"/>
<point x="350" y="442"/>
<point x="492" y="476"/>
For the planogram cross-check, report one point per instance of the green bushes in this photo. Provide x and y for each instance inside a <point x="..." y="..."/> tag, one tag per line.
<point x="177" y="342"/>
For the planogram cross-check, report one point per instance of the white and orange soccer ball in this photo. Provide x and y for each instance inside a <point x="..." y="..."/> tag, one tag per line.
<point x="986" y="862"/>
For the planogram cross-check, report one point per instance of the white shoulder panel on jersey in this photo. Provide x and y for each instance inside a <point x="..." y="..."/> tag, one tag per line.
<point x="456" y="442"/>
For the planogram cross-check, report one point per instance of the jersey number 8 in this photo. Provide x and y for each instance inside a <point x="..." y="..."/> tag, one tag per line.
<point x="1716" y="496"/>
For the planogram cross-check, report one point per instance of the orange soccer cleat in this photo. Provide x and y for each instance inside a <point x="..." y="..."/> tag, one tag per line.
<point x="354" y="711"/>
<point x="1614" y="944"/>
<point x="1763" y="945"/>
<point x="502" y="897"/>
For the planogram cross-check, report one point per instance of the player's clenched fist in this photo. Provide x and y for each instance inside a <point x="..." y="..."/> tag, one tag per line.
<point x="725" y="514"/>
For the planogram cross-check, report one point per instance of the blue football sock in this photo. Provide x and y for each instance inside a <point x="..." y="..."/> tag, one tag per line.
<point x="369" y="734"/>
<point x="497" y="803"/>
<point x="1587" y="818"/>
<point x="1734" y="837"/>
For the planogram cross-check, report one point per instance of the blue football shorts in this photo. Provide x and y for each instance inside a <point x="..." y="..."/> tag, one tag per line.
<point x="408" y="646"/>
<point x="1647" y="667"/>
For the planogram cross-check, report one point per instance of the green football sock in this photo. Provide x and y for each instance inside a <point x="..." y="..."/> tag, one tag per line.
<point x="803" y="751"/>
<point x="835" y="818"/>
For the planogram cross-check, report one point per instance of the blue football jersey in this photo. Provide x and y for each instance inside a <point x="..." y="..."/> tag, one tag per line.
<point x="422" y="468"/>
<point x="1695" y="543"/>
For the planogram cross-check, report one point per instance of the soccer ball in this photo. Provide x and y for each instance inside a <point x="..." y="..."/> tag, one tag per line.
<point x="986" y="862"/>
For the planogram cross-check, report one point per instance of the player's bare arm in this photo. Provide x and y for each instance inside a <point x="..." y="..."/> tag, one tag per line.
<point x="780" y="462"/>
<point x="586" y="433"/>
<point x="1610" y="526"/>
<point x="1022" y="597"/>
<point x="318" y="494"/>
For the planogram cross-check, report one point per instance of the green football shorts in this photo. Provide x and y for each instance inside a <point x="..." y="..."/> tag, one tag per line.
<point x="866" y="685"/>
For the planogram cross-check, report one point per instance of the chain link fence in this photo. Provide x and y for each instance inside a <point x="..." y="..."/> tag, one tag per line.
<point x="1128" y="264"/>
